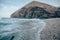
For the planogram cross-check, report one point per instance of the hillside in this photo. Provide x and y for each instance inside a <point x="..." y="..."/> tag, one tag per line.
<point x="36" y="9"/>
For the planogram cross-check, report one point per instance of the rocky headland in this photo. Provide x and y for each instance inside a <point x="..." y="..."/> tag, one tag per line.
<point x="36" y="9"/>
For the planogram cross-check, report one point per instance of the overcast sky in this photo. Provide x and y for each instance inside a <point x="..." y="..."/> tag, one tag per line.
<point x="7" y="7"/>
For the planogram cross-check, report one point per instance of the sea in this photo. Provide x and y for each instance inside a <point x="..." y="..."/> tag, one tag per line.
<point x="20" y="28"/>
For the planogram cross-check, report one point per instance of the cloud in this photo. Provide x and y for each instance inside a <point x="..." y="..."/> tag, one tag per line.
<point x="7" y="7"/>
<point x="6" y="11"/>
<point x="51" y="2"/>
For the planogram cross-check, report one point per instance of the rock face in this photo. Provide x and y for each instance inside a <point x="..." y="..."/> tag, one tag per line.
<point x="36" y="10"/>
<point x="58" y="13"/>
<point x="51" y="30"/>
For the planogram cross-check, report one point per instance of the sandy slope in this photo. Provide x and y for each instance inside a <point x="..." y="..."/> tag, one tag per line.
<point x="51" y="30"/>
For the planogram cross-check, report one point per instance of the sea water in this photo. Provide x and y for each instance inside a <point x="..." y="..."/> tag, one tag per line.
<point x="20" y="29"/>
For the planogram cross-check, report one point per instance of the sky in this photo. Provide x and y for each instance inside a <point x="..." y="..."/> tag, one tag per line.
<point x="7" y="7"/>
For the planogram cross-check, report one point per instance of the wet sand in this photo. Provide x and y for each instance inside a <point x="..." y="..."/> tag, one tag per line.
<point x="51" y="30"/>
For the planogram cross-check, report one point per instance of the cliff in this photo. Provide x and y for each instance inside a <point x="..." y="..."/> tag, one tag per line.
<point x="36" y="9"/>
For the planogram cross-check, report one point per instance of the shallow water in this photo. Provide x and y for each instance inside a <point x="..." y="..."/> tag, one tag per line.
<point x="20" y="29"/>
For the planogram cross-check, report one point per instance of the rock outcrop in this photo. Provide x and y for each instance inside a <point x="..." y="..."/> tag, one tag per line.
<point x="51" y="30"/>
<point x="58" y="13"/>
<point x="36" y="10"/>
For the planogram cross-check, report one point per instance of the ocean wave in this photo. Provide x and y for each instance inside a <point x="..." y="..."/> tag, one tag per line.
<point x="19" y="29"/>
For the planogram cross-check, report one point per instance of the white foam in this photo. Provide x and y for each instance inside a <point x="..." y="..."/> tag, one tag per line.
<point x="27" y="29"/>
